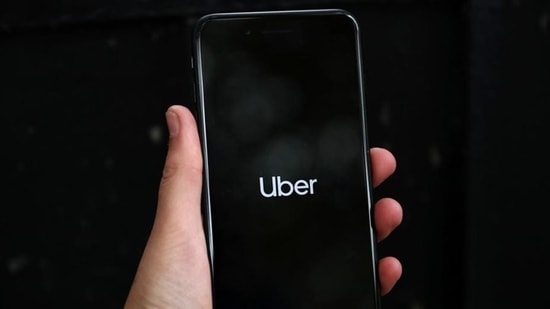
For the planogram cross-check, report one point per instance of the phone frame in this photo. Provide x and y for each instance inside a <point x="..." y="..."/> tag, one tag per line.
<point x="200" y="101"/>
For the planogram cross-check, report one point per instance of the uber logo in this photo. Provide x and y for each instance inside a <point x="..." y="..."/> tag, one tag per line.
<point x="286" y="188"/>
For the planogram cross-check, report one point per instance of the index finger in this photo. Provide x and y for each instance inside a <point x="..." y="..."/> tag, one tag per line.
<point x="383" y="165"/>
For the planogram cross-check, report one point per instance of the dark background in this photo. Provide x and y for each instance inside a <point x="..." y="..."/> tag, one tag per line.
<point x="458" y="90"/>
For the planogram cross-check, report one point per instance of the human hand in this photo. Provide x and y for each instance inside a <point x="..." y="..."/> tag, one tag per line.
<point x="174" y="271"/>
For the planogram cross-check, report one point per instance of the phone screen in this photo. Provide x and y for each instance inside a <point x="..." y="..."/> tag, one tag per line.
<point x="287" y="192"/>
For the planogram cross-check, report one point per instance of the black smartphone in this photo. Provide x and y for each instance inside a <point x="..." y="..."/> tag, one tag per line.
<point x="287" y="191"/>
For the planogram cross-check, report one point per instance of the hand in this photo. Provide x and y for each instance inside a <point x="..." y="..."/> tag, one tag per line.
<point x="174" y="271"/>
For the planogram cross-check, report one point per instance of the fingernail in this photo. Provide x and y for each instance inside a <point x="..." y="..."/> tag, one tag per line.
<point x="173" y="123"/>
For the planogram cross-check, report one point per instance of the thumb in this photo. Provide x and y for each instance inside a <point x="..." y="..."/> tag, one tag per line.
<point x="174" y="270"/>
<point x="180" y="187"/>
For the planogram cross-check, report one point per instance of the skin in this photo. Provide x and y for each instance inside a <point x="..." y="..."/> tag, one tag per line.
<point x="174" y="270"/>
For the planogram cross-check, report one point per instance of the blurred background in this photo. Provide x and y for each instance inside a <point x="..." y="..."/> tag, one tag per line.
<point x="458" y="90"/>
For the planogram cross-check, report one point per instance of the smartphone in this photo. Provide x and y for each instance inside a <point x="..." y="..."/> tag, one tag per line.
<point x="287" y="189"/>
